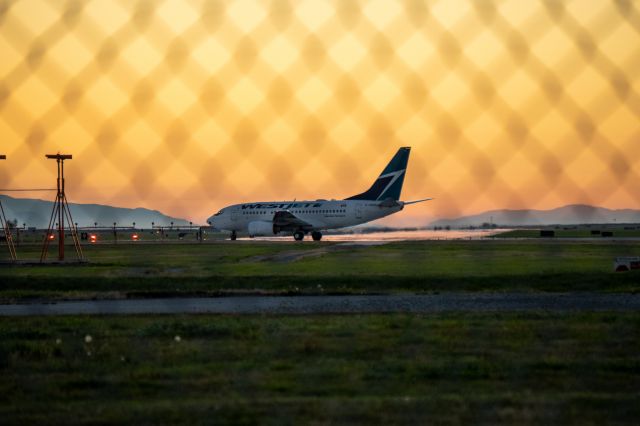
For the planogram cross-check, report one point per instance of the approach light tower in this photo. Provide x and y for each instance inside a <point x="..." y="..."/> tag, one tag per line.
<point x="5" y="226"/>
<point x="61" y="213"/>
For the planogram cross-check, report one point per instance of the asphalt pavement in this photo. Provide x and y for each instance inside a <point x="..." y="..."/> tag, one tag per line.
<point x="319" y="304"/>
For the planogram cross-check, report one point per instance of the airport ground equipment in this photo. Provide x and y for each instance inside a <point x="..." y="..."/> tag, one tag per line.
<point x="8" y="237"/>
<point x="61" y="213"/>
<point x="623" y="264"/>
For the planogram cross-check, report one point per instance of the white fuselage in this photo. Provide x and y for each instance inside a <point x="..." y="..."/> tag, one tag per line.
<point x="319" y="214"/>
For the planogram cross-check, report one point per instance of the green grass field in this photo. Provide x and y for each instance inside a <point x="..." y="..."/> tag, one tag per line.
<point x="140" y="270"/>
<point x="358" y="369"/>
<point x="455" y="368"/>
<point x="577" y="232"/>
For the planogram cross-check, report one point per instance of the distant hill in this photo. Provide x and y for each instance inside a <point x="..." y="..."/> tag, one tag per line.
<point x="37" y="212"/>
<point x="572" y="214"/>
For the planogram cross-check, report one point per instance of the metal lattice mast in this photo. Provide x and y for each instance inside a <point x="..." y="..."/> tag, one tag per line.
<point x="62" y="213"/>
<point x="8" y="236"/>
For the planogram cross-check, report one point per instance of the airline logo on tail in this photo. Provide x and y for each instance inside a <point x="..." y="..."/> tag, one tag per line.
<point x="389" y="183"/>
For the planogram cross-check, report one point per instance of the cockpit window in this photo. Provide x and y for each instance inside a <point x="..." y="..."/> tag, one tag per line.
<point x="219" y="213"/>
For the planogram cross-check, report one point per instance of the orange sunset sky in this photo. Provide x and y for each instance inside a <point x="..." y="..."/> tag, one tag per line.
<point x="187" y="106"/>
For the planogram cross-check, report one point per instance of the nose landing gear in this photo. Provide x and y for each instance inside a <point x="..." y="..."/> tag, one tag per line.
<point x="317" y="236"/>
<point x="233" y="235"/>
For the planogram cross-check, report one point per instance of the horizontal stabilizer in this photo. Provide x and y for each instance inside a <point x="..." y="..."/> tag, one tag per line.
<point x="416" y="201"/>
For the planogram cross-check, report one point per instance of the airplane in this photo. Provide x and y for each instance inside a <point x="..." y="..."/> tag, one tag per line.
<point x="302" y="217"/>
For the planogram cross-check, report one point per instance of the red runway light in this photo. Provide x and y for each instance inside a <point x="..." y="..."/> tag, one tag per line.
<point x="93" y="238"/>
<point x="52" y="237"/>
<point x="134" y="237"/>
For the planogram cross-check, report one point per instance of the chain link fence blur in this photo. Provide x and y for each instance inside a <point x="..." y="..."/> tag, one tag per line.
<point x="186" y="106"/>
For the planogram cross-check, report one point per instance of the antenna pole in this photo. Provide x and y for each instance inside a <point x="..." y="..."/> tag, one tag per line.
<point x="8" y="236"/>
<point x="59" y="199"/>
<point x="61" y="212"/>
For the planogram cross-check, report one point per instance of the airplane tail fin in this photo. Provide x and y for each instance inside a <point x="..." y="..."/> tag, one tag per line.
<point x="389" y="183"/>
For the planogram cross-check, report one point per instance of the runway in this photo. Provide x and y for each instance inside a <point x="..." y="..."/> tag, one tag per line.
<point x="394" y="236"/>
<point x="305" y="305"/>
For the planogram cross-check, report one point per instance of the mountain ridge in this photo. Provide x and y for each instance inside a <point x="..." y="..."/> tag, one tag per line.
<point x="571" y="214"/>
<point x="36" y="212"/>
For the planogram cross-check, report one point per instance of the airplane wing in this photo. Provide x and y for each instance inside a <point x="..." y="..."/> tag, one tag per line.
<point x="285" y="220"/>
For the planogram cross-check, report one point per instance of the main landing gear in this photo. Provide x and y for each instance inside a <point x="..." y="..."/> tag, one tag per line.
<point x="299" y="236"/>
<point x="233" y="235"/>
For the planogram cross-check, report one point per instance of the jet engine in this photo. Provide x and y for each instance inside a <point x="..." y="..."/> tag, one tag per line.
<point x="261" y="228"/>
